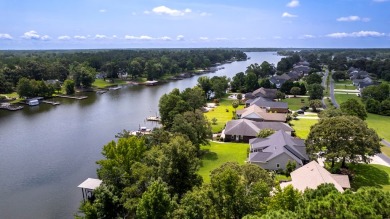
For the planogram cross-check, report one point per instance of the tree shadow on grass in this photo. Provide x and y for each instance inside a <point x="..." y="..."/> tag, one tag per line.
<point x="206" y="154"/>
<point x="367" y="175"/>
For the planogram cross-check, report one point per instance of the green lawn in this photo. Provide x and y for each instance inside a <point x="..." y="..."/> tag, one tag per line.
<point x="302" y="127"/>
<point x="344" y="87"/>
<point x="340" y="98"/>
<point x="11" y="95"/>
<point x="380" y="124"/>
<point x="295" y="103"/>
<point x="223" y="113"/>
<point x="100" y="83"/>
<point x="373" y="175"/>
<point x="343" y="82"/>
<point x="218" y="153"/>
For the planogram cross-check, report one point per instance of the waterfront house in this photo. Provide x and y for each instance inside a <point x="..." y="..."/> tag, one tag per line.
<point x="256" y="113"/>
<point x="311" y="175"/>
<point x="270" y="106"/>
<point x="275" y="151"/>
<point x="241" y="130"/>
<point x="265" y="92"/>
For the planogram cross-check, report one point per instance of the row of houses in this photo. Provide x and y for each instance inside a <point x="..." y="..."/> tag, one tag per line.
<point x="360" y="79"/>
<point x="298" y="71"/>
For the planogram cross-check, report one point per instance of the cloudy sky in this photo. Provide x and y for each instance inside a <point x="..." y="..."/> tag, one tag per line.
<point x="81" y="24"/>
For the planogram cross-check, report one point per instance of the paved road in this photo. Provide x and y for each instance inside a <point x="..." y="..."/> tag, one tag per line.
<point x="386" y="143"/>
<point x="324" y="85"/>
<point x="384" y="158"/>
<point x="331" y="93"/>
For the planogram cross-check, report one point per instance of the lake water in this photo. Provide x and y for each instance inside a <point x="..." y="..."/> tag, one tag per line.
<point x="46" y="151"/>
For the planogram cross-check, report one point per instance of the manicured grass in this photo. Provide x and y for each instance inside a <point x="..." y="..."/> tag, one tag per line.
<point x="380" y="124"/>
<point x="218" y="153"/>
<point x="386" y="150"/>
<point x="302" y="127"/>
<point x="100" y="83"/>
<point x="373" y="175"/>
<point x="344" y="87"/>
<point x="295" y="103"/>
<point x="11" y="95"/>
<point x="377" y="122"/>
<point x="343" y="82"/>
<point x="223" y="113"/>
<point x="340" y="98"/>
<point x="280" y="177"/>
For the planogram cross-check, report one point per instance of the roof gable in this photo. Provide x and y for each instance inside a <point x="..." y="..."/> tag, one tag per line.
<point x="311" y="176"/>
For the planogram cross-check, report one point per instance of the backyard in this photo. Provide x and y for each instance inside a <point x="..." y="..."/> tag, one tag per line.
<point x="223" y="113"/>
<point x="295" y="103"/>
<point x="220" y="152"/>
<point x="302" y="127"/>
<point x="373" y="175"/>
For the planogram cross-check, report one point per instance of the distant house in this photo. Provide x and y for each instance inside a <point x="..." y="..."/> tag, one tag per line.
<point x="265" y="92"/>
<point x="256" y="113"/>
<point x="304" y="63"/>
<point x="242" y="130"/>
<point x="270" y="106"/>
<point x="301" y="69"/>
<point x="275" y="151"/>
<point x="312" y="175"/>
<point x="279" y="80"/>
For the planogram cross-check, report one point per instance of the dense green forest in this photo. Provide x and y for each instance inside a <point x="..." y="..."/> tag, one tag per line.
<point x="83" y="65"/>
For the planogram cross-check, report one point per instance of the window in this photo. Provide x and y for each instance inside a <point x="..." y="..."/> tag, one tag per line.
<point x="277" y="165"/>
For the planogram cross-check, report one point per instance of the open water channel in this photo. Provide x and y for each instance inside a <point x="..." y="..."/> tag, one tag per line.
<point x="46" y="151"/>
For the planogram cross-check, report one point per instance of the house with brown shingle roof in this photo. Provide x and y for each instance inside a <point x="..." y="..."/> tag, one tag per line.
<point x="256" y="113"/>
<point x="312" y="175"/>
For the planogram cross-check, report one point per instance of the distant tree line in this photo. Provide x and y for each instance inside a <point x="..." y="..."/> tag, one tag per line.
<point x="83" y="65"/>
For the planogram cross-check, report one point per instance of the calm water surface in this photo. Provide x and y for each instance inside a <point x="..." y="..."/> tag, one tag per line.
<point x="46" y="151"/>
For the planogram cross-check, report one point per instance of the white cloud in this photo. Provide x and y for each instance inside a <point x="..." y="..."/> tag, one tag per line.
<point x="64" y="38"/>
<point x="102" y="10"/>
<point x="286" y="14"/>
<point x="163" y="10"/>
<point x="307" y="36"/>
<point x="5" y="36"/>
<point x="277" y="37"/>
<point x="80" y="37"/>
<point x="293" y="4"/>
<point x="356" y="34"/>
<point x="221" y="38"/>
<point x="144" y="37"/>
<point x="100" y="36"/>
<point x="33" y="35"/>
<point x="165" y="38"/>
<point x="203" y="38"/>
<point x="180" y="38"/>
<point x="352" y="18"/>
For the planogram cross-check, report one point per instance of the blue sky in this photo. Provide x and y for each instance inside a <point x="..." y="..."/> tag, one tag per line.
<point x="82" y="24"/>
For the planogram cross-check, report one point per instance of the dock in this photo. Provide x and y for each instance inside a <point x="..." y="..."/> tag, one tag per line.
<point x="150" y="83"/>
<point x="54" y="103"/>
<point x="153" y="118"/>
<point x="73" y="97"/>
<point x="10" y="107"/>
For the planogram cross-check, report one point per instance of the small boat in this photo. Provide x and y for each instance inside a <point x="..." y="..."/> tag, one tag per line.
<point x="153" y="118"/>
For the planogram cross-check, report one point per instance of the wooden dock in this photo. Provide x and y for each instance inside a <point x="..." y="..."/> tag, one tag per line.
<point x="54" y="103"/>
<point x="73" y="97"/>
